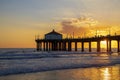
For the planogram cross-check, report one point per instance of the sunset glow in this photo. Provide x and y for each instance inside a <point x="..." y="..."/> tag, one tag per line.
<point x="22" y="20"/>
<point x="103" y="42"/>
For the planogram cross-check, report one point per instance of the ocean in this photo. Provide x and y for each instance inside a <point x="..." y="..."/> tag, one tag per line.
<point x="27" y="64"/>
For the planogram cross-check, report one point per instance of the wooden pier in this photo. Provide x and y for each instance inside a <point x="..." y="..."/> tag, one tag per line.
<point x="66" y="44"/>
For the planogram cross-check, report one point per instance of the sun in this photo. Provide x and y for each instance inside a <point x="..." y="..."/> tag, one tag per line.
<point x="103" y="42"/>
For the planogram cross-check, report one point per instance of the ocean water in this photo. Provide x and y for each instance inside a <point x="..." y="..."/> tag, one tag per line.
<point x="32" y="65"/>
<point x="91" y="73"/>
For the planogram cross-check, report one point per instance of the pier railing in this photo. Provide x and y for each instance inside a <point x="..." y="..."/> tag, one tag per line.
<point x="66" y="43"/>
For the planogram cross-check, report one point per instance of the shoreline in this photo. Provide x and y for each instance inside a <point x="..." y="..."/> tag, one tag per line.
<point x="68" y="68"/>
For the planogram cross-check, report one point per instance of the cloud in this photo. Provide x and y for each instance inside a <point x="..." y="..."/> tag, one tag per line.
<point x="86" y="27"/>
<point x="80" y="26"/>
<point x="68" y="28"/>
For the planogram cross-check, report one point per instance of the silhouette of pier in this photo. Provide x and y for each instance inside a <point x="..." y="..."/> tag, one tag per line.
<point x="66" y="44"/>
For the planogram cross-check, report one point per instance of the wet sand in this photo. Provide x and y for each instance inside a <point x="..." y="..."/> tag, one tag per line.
<point x="92" y="73"/>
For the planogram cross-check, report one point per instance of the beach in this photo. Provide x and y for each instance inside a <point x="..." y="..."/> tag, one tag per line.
<point x="92" y="73"/>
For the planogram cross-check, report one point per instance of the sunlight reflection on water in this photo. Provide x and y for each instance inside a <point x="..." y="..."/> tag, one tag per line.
<point x="94" y="73"/>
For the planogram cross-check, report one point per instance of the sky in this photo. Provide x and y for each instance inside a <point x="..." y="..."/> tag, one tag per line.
<point x="22" y="20"/>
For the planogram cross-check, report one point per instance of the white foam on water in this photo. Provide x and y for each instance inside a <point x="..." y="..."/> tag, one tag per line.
<point x="15" y="62"/>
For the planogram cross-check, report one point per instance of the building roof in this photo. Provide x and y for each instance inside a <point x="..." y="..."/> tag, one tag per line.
<point x="53" y="32"/>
